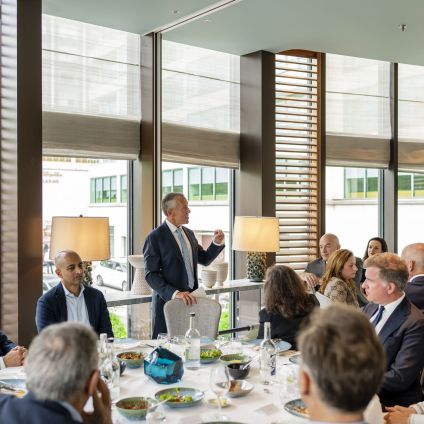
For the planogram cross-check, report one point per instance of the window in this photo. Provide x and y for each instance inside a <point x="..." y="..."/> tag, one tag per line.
<point x="103" y="190"/>
<point x="172" y="181"/>
<point x="124" y="195"/>
<point x="208" y="184"/>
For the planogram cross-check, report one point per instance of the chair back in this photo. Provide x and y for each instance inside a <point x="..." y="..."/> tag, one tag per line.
<point x="177" y="316"/>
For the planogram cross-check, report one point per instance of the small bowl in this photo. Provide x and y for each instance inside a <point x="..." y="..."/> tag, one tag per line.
<point x="239" y="388"/>
<point x="125" y="407"/>
<point x="237" y="372"/>
<point x="131" y="362"/>
<point x="235" y="358"/>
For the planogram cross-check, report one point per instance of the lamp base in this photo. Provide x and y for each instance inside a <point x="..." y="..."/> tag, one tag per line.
<point x="87" y="278"/>
<point x="256" y="266"/>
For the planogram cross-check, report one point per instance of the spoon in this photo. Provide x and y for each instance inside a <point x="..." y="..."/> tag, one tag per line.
<point x="244" y="366"/>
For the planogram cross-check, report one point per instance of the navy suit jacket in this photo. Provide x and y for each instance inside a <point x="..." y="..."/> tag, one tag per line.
<point x="30" y="410"/>
<point x="165" y="270"/>
<point x="415" y="292"/>
<point x="6" y="345"/>
<point x="403" y="339"/>
<point x="51" y="309"/>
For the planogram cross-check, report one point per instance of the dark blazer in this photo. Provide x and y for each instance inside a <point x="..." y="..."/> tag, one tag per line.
<point x="284" y="328"/>
<point x="6" y="345"/>
<point x="403" y="340"/>
<point x="30" y="410"/>
<point x="51" y="309"/>
<point x="165" y="271"/>
<point x="415" y="292"/>
<point x="317" y="267"/>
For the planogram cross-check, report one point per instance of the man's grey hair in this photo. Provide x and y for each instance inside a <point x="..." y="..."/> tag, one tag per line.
<point x="168" y="201"/>
<point x="60" y="361"/>
<point x="392" y="269"/>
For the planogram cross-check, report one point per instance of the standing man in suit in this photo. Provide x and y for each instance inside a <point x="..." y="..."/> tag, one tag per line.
<point x="61" y="375"/>
<point x="413" y="255"/>
<point x="10" y="354"/>
<point x="71" y="300"/>
<point x="400" y="326"/>
<point x="328" y="244"/>
<point x="171" y="254"/>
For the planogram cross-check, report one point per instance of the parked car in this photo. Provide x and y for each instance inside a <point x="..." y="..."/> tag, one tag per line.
<point x="50" y="281"/>
<point x="112" y="273"/>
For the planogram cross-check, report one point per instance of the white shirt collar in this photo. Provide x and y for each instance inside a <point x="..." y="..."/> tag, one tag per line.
<point x="68" y="293"/>
<point x="390" y="307"/>
<point x="416" y="276"/>
<point x="171" y="226"/>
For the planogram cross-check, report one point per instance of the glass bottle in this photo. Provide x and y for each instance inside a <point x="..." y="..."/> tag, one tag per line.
<point x="110" y="371"/>
<point x="192" y="353"/>
<point x="102" y="349"/>
<point x="268" y="356"/>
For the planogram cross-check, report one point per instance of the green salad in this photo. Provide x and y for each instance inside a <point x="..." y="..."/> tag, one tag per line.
<point x="175" y="397"/>
<point x="210" y="354"/>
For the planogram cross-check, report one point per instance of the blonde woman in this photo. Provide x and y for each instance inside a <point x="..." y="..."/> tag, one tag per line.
<point x="338" y="283"/>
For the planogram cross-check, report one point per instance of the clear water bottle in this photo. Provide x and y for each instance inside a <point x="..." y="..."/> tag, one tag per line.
<point x="110" y="371"/>
<point x="268" y="357"/>
<point x="102" y="349"/>
<point x="192" y="352"/>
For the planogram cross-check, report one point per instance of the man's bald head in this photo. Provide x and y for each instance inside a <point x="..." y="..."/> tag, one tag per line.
<point x="328" y="244"/>
<point x="60" y="257"/>
<point x="413" y="255"/>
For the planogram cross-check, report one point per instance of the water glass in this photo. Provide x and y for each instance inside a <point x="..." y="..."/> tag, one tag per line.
<point x="162" y="339"/>
<point x="220" y="384"/>
<point x="289" y="382"/>
<point x="155" y="415"/>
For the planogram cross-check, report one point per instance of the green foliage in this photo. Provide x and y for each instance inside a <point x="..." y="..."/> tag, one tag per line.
<point x="224" y="322"/>
<point x="117" y="326"/>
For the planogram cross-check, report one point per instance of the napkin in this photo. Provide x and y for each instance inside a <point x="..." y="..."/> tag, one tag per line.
<point x="200" y="292"/>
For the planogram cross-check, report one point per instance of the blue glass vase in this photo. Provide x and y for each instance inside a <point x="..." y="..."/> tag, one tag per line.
<point x="163" y="366"/>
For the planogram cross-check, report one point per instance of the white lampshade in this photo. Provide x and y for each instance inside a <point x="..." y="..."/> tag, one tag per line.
<point x="256" y="234"/>
<point x="88" y="236"/>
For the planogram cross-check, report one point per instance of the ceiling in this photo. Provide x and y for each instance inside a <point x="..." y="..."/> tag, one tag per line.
<point x="364" y="28"/>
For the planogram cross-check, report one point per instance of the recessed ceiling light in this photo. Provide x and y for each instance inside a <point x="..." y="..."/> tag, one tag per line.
<point x="175" y="12"/>
<point x="402" y="27"/>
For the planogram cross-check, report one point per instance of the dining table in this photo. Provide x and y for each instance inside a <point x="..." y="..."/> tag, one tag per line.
<point x="264" y="404"/>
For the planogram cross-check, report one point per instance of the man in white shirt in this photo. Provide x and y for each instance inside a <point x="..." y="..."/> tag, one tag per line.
<point x="413" y="255"/>
<point x="342" y="365"/>
<point x="171" y="254"/>
<point x="399" y="325"/>
<point x="10" y="354"/>
<point x="401" y="415"/>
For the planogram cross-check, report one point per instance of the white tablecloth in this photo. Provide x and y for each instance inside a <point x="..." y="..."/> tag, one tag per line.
<point x="243" y="409"/>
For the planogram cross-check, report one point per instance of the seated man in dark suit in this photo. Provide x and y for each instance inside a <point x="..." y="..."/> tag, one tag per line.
<point x="328" y="244"/>
<point x="413" y="255"/>
<point x="171" y="254"/>
<point x="10" y="354"/>
<point x="342" y="365"/>
<point x="71" y="300"/>
<point x="61" y="374"/>
<point x="400" y="326"/>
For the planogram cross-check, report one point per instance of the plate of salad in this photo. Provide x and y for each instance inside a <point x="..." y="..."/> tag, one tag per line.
<point x="180" y="397"/>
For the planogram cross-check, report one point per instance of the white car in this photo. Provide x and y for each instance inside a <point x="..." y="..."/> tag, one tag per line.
<point x="112" y="273"/>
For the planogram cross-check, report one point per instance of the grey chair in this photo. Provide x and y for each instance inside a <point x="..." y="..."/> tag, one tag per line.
<point x="177" y="316"/>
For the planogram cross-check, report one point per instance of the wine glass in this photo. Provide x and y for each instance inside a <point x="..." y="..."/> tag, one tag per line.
<point x="220" y="384"/>
<point x="162" y="339"/>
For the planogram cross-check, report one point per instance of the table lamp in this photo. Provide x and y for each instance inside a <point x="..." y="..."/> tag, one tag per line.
<point x="88" y="236"/>
<point x="256" y="235"/>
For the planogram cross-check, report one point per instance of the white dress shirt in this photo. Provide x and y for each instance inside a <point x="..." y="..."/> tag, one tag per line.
<point x="76" y="307"/>
<point x="388" y="310"/>
<point x="2" y="364"/>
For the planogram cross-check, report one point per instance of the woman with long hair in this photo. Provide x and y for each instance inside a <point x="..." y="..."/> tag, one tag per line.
<point x="375" y="245"/>
<point x="287" y="303"/>
<point x="338" y="283"/>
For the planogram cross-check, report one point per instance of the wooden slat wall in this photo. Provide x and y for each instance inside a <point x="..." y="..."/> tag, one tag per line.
<point x="297" y="189"/>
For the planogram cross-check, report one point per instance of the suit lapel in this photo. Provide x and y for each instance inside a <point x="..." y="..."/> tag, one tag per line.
<point x="61" y="303"/>
<point x="171" y="239"/>
<point x="89" y="302"/>
<point x="395" y="320"/>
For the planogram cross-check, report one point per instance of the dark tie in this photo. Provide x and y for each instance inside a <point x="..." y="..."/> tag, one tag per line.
<point x="186" y="257"/>
<point x="378" y="315"/>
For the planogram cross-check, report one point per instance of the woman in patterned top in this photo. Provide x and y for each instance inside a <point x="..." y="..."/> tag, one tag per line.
<point x="337" y="283"/>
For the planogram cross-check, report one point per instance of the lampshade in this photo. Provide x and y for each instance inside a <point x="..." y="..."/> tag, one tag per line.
<point x="256" y="234"/>
<point x="88" y="236"/>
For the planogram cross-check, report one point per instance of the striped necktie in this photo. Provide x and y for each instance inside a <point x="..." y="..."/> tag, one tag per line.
<point x="186" y="257"/>
<point x="378" y="316"/>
